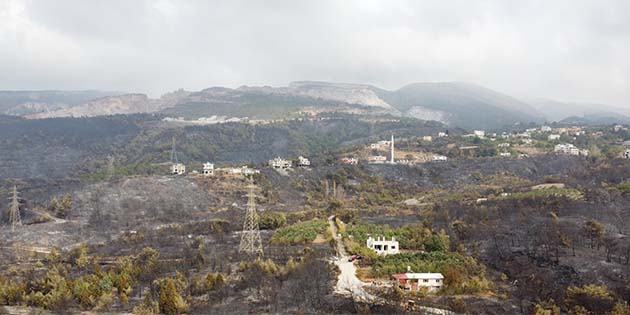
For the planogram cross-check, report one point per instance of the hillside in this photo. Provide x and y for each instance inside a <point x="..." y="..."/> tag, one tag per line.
<point x="110" y="105"/>
<point x="457" y="104"/>
<point x="69" y="147"/>
<point x="361" y="94"/>
<point x="556" y="111"/>
<point x="31" y="102"/>
<point x="243" y="102"/>
<point x="460" y="104"/>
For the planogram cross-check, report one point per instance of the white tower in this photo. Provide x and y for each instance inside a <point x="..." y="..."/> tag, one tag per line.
<point x="392" y="144"/>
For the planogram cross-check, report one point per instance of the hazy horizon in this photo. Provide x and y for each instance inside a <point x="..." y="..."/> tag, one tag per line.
<point x="570" y="51"/>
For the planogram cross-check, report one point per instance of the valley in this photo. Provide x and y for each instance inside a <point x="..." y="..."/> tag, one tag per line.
<point x="507" y="217"/>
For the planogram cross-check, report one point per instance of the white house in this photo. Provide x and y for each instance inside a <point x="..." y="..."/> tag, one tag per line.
<point x="248" y="171"/>
<point x="178" y="169"/>
<point x="381" y="144"/>
<point x="243" y="170"/>
<point x="208" y="169"/>
<point x="479" y="133"/>
<point x="503" y="145"/>
<point x="553" y="137"/>
<point x="303" y="162"/>
<point x="569" y="149"/>
<point x="439" y="158"/>
<point x="377" y="159"/>
<point x="545" y="129"/>
<point x="416" y="281"/>
<point x="442" y="134"/>
<point x="505" y="154"/>
<point x="382" y="246"/>
<point x="427" y="138"/>
<point x="349" y="161"/>
<point x="280" y="163"/>
<point x="626" y="154"/>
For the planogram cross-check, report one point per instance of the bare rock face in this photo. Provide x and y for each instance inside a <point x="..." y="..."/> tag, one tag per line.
<point x="31" y="108"/>
<point x="427" y="114"/>
<point x="122" y="104"/>
<point x="349" y="93"/>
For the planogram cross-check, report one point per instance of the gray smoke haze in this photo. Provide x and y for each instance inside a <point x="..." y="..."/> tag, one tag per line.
<point x="571" y="50"/>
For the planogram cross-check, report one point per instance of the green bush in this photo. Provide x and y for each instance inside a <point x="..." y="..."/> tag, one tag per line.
<point x="272" y="220"/>
<point x="299" y="233"/>
<point x="412" y="237"/>
<point x="462" y="274"/>
<point x="171" y="302"/>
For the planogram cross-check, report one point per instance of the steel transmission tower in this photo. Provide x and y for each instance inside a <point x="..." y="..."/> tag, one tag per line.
<point x="14" y="210"/>
<point x="251" y="242"/>
<point x="174" y="153"/>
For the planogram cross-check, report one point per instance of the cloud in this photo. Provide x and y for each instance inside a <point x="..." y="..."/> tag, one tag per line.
<point x="571" y="50"/>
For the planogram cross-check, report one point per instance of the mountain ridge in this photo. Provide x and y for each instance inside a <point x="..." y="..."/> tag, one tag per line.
<point x="461" y="104"/>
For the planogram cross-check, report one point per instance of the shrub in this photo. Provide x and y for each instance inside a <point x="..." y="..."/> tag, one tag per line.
<point x="171" y="302"/>
<point x="148" y="307"/>
<point x="299" y="233"/>
<point x="593" y="299"/>
<point x="272" y="220"/>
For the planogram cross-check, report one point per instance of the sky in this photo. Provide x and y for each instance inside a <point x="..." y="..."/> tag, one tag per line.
<point x="568" y="50"/>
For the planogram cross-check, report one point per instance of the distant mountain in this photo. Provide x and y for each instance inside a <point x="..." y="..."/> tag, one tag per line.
<point x="557" y="111"/>
<point x="344" y="92"/>
<point x="458" y="104"/>
<point x="251" y="102"/>
<point x="110" y="105"/>
<point x="597" y="119"/>
<point x="20" y="103"/>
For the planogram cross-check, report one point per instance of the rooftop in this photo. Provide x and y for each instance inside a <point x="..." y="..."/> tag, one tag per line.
<point x="406" y="276"/>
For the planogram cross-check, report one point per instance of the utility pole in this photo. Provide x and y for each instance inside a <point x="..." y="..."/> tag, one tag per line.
<point x="251" y="242"/>
<point x="14" y="210"/>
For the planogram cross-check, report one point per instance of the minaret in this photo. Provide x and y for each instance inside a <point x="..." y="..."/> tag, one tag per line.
<point x="392" y="144"/>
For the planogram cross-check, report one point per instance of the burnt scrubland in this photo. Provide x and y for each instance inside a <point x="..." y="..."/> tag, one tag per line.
<point x="106" y="229"/>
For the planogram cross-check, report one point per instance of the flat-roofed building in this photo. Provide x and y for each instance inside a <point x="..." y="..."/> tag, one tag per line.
<point x="433" y="282"/>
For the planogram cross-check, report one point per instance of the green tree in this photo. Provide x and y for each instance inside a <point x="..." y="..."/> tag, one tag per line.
<point x="593" y="299"/>
<point x="58" y="288"/>
<point x="594" y="230"/>
<point x="147" y="307"/>
<point x="621" y="308"/>
<point x="546" y="308"/>
<point x="272" y="220"/>
<point x="171" y="302"/>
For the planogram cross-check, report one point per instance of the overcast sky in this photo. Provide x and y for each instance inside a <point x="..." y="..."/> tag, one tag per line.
<point x="569" y="50"/>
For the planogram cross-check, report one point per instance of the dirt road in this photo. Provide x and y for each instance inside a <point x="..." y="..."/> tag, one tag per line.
<point x="347" y="283"/>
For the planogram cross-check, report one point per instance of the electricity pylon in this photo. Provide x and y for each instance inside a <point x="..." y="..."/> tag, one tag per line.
<point x="174" y="153"/>
<point x="14" y="210"/>
<point x="110" y="167"/>
<point x="251" y="242"/>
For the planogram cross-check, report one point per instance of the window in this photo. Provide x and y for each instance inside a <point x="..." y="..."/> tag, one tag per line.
<point x="425" y="280"/>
